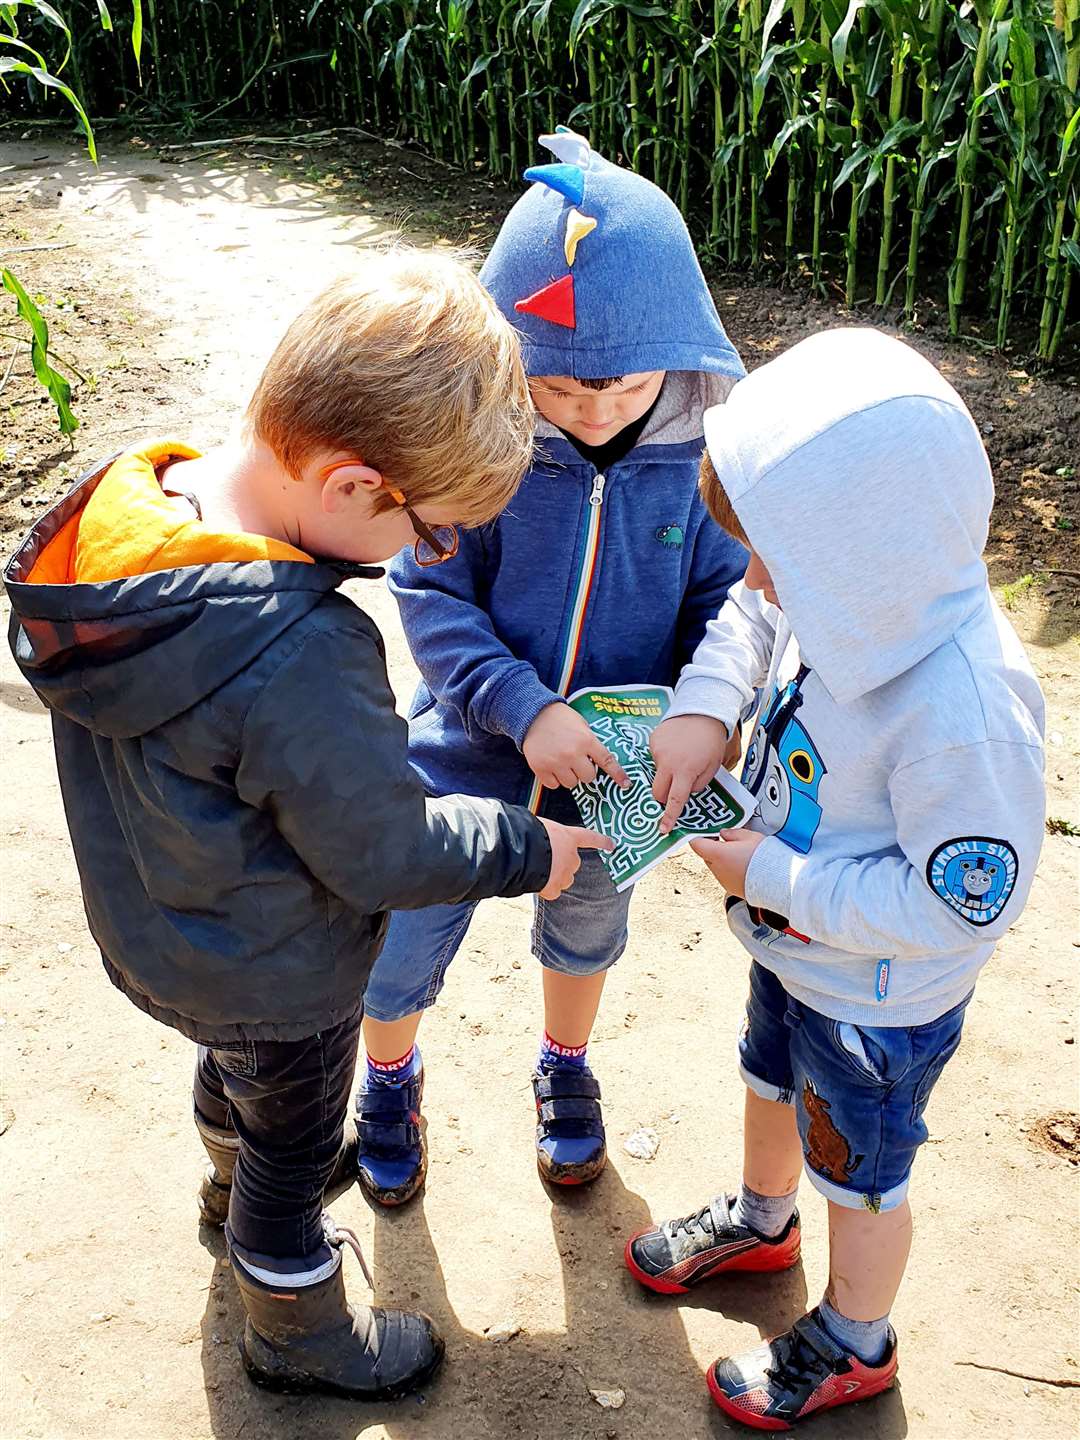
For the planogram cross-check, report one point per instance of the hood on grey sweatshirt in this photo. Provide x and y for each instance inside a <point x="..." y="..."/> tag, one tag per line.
<point x="897" y="758"/>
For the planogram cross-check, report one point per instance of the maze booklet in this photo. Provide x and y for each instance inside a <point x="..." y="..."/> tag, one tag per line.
<point x="624" y="716"/>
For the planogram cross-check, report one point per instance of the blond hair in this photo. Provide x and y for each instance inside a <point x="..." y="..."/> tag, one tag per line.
<point x="409" y="365"/>
<point x="717" y="502"/>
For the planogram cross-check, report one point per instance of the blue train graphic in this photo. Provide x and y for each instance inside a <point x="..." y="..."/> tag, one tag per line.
<point x="783" y="770"/>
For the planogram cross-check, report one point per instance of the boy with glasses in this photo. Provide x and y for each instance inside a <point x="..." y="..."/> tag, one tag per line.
<point x="235" y="778"/>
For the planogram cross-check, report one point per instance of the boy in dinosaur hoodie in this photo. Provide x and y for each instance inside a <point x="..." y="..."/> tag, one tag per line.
<point x="603" y="571"/>
<point x="897" y="765"/>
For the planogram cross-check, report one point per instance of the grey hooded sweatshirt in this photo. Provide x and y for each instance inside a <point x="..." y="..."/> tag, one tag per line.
<point x="897" y="756"/>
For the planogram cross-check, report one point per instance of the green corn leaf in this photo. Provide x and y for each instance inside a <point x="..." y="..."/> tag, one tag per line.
<point x="9" y="66"/>
<point x="897" y="134"/>
<point x="587" y="14"/>
<point x="791" y="127"/>
<point x="22" y="45"/>
<point x="1023" y="83"/>
<point x="1067" y="140"/>
<point x="857" y="158"/>
<point x="761" y="79"/>
<point x="843" y="35"/>
<point x="772" y="19"/>
<point x="58" y="388"/>
<point x="812" y="52"/>
<point x="540" y="20"/>
<point x="1071" y="250"/>
<point x="47" y="12"/>
<point x="479" y="67"/>
<point x="137" y="34"/>
<point x="399" y="57"/>
<point x="104" y="16"/>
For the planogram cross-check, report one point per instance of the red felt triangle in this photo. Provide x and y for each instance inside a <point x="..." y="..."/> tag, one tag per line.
<point x="555" y="303"/>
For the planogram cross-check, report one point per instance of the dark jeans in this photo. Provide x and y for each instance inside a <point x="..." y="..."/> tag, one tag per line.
<point x="287" y="1101"/>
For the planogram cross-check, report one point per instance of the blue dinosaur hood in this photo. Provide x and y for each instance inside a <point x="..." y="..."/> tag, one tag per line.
<point x="607" y="253"/>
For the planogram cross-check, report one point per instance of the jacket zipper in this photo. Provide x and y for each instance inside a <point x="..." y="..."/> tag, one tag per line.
<point x="582" y="590"/>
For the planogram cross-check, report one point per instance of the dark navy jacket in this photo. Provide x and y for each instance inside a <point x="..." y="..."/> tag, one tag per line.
<point x="236" y="786"/>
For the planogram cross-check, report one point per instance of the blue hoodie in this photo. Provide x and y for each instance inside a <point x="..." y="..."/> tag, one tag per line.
<point x="586" y="579"/>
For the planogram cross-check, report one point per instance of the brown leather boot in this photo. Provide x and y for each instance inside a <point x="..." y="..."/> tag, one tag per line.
<point x="223" y="1147"/>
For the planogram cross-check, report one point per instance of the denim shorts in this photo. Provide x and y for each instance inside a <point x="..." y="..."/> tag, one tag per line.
<point x="582" y="932"/>
<point x="859" y="1091"/>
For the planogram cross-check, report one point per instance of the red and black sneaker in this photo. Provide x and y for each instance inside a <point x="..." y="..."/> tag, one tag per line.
<point x="795" y="1376"/>
<point x="674" y="1256"/>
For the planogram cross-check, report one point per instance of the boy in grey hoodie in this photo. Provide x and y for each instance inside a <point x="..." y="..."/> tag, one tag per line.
<point x="897" y="763"/>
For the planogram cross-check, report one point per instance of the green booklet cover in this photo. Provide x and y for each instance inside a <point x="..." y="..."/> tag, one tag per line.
<point x="624" y="716"/>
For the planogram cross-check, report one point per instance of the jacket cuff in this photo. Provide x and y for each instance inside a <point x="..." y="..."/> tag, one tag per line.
<point x="515" y="704"/>
<point x="701" y="696"/>
<point x="770" y="876"/>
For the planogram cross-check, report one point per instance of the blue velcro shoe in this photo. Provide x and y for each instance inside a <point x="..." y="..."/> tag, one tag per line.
<point x="571" y="1147"/>
<point x="392" y="1155"/>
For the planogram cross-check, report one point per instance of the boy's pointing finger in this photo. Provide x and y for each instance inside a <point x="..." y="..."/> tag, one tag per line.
<point x="609" y="763"/>
<point x="676" y="802"/>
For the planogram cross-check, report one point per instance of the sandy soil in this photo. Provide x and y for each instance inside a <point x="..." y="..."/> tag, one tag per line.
<point x="171" y="280"/>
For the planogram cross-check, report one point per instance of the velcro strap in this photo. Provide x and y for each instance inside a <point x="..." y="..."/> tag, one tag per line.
<point x="567" y="1081"/>
<point x="819" y="1340"/>
<point x="720" y="1211"/>
<point x="391" y="1103"/>
<point x="564" y="1109"/>
<point x="374" y="1134"/>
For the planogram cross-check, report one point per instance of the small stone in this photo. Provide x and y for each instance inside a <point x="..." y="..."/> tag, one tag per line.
<point x="501" y="1334"/>
<point x="1070" y="1040"/>
<point x="1056" y="738"/>
<point x="609" y="1399"/>
<point x="642" y="1144"/>
<point x="101" y="1317"/>
<point x="64" y="947"/>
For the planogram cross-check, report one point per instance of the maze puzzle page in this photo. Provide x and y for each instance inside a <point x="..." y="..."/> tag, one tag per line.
<point x="623" y="717"/>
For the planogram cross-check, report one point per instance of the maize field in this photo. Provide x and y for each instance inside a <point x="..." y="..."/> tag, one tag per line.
<point x="893" y="149"/>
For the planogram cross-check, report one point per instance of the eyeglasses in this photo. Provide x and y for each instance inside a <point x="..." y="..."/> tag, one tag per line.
<point x="434" y="543"/>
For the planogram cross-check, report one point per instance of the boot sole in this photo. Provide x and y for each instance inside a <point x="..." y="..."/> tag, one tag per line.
<point x="754" y="1262"/>
<point x="299" y="1384"/>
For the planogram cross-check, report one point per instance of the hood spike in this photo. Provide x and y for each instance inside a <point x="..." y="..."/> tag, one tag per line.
<point x="566" y="180"/>
<point x="554" y="303"/>
<point x="569" y="147"/>
<point x="577" y="227"/>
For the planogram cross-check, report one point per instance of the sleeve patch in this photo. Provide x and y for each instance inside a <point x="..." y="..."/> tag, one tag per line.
<point x="974" y="876"/>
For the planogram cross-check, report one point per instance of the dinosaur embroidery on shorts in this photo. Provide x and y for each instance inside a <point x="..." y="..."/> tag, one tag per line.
<point x="827" y="1151"/>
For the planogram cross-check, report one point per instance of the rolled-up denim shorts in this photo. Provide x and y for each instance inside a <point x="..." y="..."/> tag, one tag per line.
<point x="859" y="1091"/>
<point x="582" y="932"/>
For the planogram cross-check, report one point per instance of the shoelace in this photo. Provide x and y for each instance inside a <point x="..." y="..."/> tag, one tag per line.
<point x="796" y="1360"/>
<point x="340" y="1235"/>
<point x="696" y="1221"/>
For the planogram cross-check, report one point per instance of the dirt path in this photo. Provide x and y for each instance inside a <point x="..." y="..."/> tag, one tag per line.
<point x="120" y="1317"/>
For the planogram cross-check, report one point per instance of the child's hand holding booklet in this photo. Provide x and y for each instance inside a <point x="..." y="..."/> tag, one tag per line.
<point x="623" y="717"/>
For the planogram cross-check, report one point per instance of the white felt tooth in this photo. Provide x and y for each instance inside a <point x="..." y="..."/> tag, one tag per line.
<point x="569" y="147"/>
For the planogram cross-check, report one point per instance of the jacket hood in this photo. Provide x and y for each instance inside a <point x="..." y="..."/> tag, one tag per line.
<point x="128" y="610"/>
<point x="861" y="481"/>
<point x="595" y="268"/>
